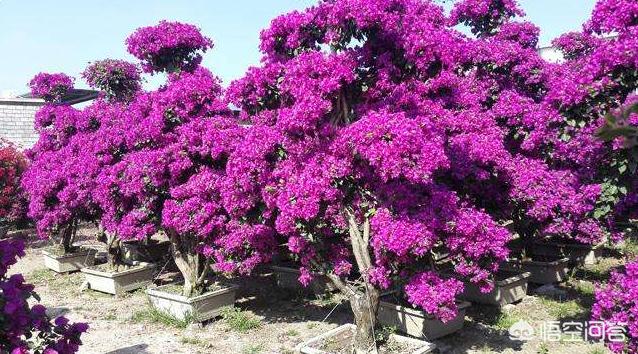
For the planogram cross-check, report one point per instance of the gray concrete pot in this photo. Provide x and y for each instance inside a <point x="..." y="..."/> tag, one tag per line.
<point x="542" y="272"/>
<point x="346" y="332"/>
<point x="578" y="254"/>
<point x="69" y="262"/>
<point x="118" y="283"/>
<point x="417" y="323"/>
<point x="198" y="308"/>
<point x="153" y="252"/>
<point x="288" y="278"/>
<point x="512" y="288"/>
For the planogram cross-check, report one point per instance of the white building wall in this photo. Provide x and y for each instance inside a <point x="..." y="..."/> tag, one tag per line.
<point x="17" y="116"/>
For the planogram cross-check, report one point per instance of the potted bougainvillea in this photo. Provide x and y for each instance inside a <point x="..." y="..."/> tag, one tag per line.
<point x="170" y="177"/>
<point x="119" y="82"/>
<point x="379" y="150"/>
<point x="387" y="146"/>
<point x="25" y="328"/>
<point x="51" y="194"/>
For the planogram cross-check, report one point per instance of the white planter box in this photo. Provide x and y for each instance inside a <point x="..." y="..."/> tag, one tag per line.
<point x="417" y="323"/>
<point x="117" y="283"/>
<point x="69" y="262"/>
<point x="311" y="346"/>
<point x="288" y="278"/>
<point x="199" y="308"/>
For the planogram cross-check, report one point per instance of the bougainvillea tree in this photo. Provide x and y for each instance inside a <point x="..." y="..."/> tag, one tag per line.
<point x="45" y="179"/>
<point x="51" y="87"/>
<point x="116" y="79"/>
<point x="598" y="75"/>
<point x="12" y="199"/>
<point x="382" y="139"/>
<point x="170" y="172"/>
<point x="25" y="328"/>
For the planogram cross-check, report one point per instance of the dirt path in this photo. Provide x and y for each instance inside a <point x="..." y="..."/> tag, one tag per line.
<point x="271" y="321"/>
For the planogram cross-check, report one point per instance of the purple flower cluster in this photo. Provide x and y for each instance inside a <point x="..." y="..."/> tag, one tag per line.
<point x="51" y="87"/>
<point x="435" y="295"/>
<point x="168" y="46"/>
<point x="484" y="16"/>
<point x="26" y="328"/>
<point x="616" y="305"/>
<point x="117" y="79"/>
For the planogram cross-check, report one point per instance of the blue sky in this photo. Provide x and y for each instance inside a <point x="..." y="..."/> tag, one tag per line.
<point x="64" y="35"/>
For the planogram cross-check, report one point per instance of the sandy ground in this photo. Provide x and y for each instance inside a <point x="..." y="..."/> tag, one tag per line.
<point x="122" y="325"/>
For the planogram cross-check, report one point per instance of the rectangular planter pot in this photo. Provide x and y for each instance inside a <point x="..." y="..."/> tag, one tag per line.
<point x="577" y="253"/>
<point x="542" y="272"/>
<point x="117" y="283"/>
<point x="288" y="278"/>
<point x="417" y="323"/>
<point x="153" y="252"/>
<point x="511" y="289"/>
<point x="199" y="308"/>
<point x="69" y="262"/>
<point x="312" y="346"/>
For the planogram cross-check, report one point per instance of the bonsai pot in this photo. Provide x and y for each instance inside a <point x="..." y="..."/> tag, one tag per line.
<point x="417" y="323"/>
<point x="578" y="254"/>
<point x="198" y="308"/>
<point x="119" y="282"/>
<point x="509" y="287"/>
<point x="547" y="271"/>
<point x="341" y="337"/>
<point x="152" y="252"/>
<point x="70" y="262"/>
<point x="288" y="278"/>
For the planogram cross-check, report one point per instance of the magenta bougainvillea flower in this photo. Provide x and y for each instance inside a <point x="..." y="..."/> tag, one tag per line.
<point x="117" y="79"/>
<point x="168" y="46"/>
<point x="51" y="87"/>
<point x="26" y="328"/>
<point x="617" y="307"/>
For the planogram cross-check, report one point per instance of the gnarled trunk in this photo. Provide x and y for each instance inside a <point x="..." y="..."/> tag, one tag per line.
<point x="364" y="299"/>
<point x="113" y="251"/>
<point x="68" y="237"/>
<point x="364" y="307"/>
<point x="189" y="262"/>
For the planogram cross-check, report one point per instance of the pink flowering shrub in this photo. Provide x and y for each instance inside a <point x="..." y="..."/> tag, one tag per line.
<point x="12" y="200"/>
<point x="616" y="306"/>
<point x="117" y="79"/>
<point x="597" y="77"/>
<point x="484" y="16"/>
<point x="51" y="87"/>
<point x="26" y="328"/>
<point x="424" y="287"/>
<point x="168" y="46"/>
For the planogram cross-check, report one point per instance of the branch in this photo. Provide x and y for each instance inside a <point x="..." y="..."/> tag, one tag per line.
<point x="359" y="246"/>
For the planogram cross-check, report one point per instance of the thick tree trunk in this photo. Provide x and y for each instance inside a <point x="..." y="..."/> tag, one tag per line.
<point x="189" y="263"/>
<point x="364" y="307"/>
<point x="68" y="237"/>
<point x="113" y="252"/>
<point x="364" y="299"/>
